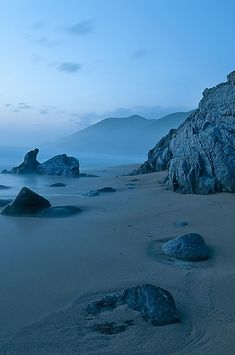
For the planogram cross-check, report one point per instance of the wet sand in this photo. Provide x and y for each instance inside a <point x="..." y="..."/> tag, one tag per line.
<point x="51" y="268"/>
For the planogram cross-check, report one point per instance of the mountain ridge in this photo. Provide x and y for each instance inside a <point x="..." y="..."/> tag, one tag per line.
<point x="130" y="135"/>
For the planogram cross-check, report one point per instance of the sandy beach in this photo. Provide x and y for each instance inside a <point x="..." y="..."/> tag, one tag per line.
<point x="50" y="269"/>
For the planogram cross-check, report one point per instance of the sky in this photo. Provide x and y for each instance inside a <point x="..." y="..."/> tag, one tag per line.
<point x="66" y="64"/>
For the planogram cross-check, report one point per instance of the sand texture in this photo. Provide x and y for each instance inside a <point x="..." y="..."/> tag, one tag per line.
<point x="51" y="268"/>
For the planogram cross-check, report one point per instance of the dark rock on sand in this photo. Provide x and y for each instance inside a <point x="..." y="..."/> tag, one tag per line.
<point x="58" y="184"/>
<point x="94" y="193"/>
<point x="188" y="247"/>
<point x="87" y="175"/>
<point x="4" y="203"/>
<point x="107" y="189"/>
<point x="200" y="154"/>
<point x="27" y="202"/>
<point x="91" y="193"/>
<point x="153" y="303"/>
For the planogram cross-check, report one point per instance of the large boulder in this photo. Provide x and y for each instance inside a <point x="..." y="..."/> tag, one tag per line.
<point x="154" y="304"/>
<point x="27" y="202"/>
<point x="200" y="154"/>
<point x="189" y="247"/>
<point x="60" y="165"/>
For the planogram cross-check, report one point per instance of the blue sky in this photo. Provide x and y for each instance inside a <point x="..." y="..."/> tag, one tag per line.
<point x="66" y="64"/>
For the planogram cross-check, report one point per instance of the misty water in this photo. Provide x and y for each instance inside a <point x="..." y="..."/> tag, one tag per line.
<point x="89" y="163"/>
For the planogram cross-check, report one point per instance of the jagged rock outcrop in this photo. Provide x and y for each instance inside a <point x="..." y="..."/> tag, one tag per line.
<point x="158" y="157"/>
<point x="58" y="165"/>
<point x="29" y="165"/>
<point x="200" y="154"/>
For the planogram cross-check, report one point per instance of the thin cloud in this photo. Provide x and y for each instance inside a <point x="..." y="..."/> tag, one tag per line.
<point x="69" y="67"/>
<point x="44" y="112"/>
<point x="43" y="41"/>
<point x="24" y="106"/>
<point x="46" y="42"/>
<point x="80" y="28"/>
<point x="38" y="25"/>
<point x="139" y="54"/>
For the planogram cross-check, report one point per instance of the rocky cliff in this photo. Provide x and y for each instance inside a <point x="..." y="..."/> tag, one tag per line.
<point x="200" y="154"/>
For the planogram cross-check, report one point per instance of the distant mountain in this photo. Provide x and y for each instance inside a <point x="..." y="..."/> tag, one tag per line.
<point x="131" y="136"/>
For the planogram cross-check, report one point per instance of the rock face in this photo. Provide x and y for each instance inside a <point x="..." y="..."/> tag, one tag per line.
<point x="188" y="247"/>
<point x="27" y="202"/>
<point x="200" y="154"/>
<point x="58" y="165"/>
<point x="29" y="165"/>
<point x="153" y="303"/>
<point x="158" y="157"/>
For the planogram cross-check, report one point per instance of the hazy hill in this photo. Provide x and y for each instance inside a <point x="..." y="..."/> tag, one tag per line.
<point x="131" y="136"/>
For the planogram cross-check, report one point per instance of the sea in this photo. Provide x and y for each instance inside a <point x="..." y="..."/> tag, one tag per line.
<point x="89" y="163"/>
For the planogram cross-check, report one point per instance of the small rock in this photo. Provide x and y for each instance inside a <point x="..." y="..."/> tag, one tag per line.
<point x="188" y="247"/>
<point x="153" y="303"/>
<point x="180" y="224"/>
<point x="27" y="202"/>
<point x="57" y="184"/>
<point x="107" y="189"/>
<point x="91" y="193"/>
<point x="87" y="175"/>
